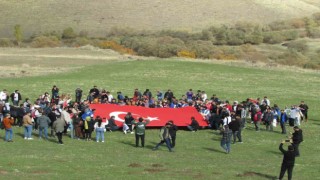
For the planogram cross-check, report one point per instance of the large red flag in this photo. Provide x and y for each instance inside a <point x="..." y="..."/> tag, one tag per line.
<point x="157" y="116"/>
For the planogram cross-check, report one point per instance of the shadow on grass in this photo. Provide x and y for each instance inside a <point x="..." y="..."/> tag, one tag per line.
<point x="275" y="152"/>
<point x="251" y="174"/>
<point x="214" y="150"/>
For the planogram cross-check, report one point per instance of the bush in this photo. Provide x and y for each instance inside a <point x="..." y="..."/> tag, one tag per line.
<point x="5" y="42"/>
<point x="186" y="54"/>
<point x="202" y="49"/>
<point x="116" y="47"/>
<point x="299" y="46"/>
<point x="45" y="41"/>
<point x="68" y="33"/>
<point x="273" y="37"/>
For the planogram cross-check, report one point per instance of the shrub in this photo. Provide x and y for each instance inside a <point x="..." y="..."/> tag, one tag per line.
<point x="68" y="33"/>
<point x="272" y="37"/>
<point x="202" y="49"/>
<point x="186" y="54"/>
<point x="116" y="47"/>
<point x="5" y="42"/>
<point x="45" y="41"/>
<point x="299" y="46"/>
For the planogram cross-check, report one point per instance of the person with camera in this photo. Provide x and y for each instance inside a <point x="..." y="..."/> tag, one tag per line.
<point x="288" y="159"/>
<point x="140" y="130"/>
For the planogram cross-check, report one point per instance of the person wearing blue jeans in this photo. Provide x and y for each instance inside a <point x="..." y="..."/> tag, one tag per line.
<point x="226" y="139"/>
<point x="27" y="123"/>
<point x="8" y="121"/>
<point x="164" y="137"/>
<point x="9" y="133"/>
<point x="99" y="126"/>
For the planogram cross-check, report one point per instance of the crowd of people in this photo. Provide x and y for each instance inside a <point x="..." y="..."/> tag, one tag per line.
<point x="64" y="115"/>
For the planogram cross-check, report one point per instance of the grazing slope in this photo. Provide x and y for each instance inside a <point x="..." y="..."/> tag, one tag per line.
<point x="98" y="16"/>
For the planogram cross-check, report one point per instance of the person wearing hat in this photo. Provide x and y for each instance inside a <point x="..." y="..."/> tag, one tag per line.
<point x="288" y="160"/>
<point x="7" y="123"/>
<point x="164" y="137"/>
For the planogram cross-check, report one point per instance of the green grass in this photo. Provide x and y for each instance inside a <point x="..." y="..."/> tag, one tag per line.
<point x="197" y="155"/>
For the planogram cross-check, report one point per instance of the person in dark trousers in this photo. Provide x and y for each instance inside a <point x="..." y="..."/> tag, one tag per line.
<point x="297" y="138"/>
<point x="304" y="110"/>
<point x="288" y="160"/>
<point x="235" y="125"/>
<point x="283" y="121"/>
<point x="173" y="133"/>
<point x="58" y="126"/>
<point x="164" y="137"/>
<point x="140" y="128"/>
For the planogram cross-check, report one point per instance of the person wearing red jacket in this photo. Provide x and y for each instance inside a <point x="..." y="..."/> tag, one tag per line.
<point x="7" y="123"/>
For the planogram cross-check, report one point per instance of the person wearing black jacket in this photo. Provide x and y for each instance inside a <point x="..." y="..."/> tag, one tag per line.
<point x="194" y="126"/>
<point x="173" y="133"/>
<point x="288" y="160"/>
<point x="127" y="120"/>
<point x="234" y="125"/>
<point x="297" y="138"/>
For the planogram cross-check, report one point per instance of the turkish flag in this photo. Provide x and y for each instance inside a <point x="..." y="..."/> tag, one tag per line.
<point x="157" y="116"/>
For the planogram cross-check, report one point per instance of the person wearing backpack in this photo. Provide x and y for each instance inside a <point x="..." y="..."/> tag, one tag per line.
<point x="257" y="119"/>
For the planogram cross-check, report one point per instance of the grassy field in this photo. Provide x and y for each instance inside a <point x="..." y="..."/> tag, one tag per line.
<point x="97" y="17"/>
<point x="197" y="155"/>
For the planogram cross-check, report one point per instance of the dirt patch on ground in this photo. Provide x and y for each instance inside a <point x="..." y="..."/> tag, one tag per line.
<point x="156" y="165"/>
<point x="3" y="172"/>
<point x="154" y="170"/>
<point x="134" y="165"/>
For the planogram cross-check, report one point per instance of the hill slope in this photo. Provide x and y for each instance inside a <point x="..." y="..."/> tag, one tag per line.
<point x="98" y="16"/>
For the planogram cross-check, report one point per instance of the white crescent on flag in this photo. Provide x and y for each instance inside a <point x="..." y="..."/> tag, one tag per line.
<point x="117" y="118"/>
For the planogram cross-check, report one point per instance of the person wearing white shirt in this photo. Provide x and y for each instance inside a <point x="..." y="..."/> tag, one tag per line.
<point x="100" y="128"/>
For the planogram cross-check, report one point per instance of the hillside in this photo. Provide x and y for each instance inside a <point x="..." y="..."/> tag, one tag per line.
<point x="96" y="17"/>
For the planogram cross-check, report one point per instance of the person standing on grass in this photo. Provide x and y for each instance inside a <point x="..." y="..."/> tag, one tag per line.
<point x="288" y="160"/>
<point x="257" y="119"/>
<point x="226" y="139"/>
<point x="164" y="137"/>
<point x="8" y="121"/>
<point x="297" y="138"/>
<point x="140" y="130"/>
<point x="15" y="97"/>
<point x="27" y="124"/>
<point x="43" y="122"/>
<point x="234" y="125"/>
<point x="173" y="133"/>
<point x="58" y="127"/>
<point x="304" y="110"/>
<point x="100" y="128"/>
<point x="268" y="118"/>
<point x="78" y="94"/>
<point x="283" y="121"/>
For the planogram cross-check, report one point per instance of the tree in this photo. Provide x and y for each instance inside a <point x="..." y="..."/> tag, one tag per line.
<point x="18" y="34"/>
